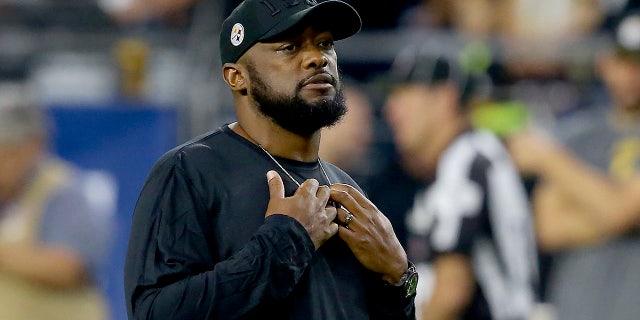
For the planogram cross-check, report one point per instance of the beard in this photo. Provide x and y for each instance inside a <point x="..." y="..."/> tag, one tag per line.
<point x="293" y="113"/>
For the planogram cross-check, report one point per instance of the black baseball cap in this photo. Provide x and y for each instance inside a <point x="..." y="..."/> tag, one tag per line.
<point x="417" y="65"/>
<point x="409" y="67"/>
<point x="627" y="35"/>
<point x="262" y="20"/>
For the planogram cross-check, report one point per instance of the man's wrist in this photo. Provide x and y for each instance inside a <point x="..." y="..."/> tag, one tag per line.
<point x="408" y="282"/>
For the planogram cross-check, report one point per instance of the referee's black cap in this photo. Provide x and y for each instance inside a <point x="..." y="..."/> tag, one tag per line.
<point x="466" y="69"/>
<point x="263" y="20"/>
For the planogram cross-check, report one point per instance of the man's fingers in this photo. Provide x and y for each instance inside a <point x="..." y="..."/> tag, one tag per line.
<point x="348" y="197"/>
<point x="351" y="191"/>
<point x="343" y="199"/>
<point x="323" y="193"/>
<point x="276" y="187"/>
<point x="309" y="186"/>
<point x="332" y="213"/>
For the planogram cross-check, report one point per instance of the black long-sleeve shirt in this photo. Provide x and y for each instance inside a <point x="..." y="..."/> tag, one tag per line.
<point x="201" y="248"/>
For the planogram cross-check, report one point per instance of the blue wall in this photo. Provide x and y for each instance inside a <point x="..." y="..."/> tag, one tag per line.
<point x="126" y="142"/>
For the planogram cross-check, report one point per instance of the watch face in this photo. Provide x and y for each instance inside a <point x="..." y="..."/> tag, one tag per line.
<point x="411" y="285"/>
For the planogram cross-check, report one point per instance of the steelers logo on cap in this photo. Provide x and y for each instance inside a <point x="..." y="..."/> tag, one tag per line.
<point x="237" y="34"/>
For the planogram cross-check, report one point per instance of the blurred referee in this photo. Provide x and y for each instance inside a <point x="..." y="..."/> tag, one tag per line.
<point x="471" y="230"/>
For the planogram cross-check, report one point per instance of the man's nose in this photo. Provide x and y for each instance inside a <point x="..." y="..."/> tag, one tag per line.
<point x="315" y="58"/>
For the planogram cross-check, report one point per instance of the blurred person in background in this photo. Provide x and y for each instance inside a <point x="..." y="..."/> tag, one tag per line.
<point x="350" y="144"/>
<point x="353" y="144"/>
<point x="468" y="17"/>
<point x="471" y="228"/>
<point x="55" y="222"/>
<point x="391" y="187"/>
<point x="523" y="18"/>
<point x="587" y="199"/>
<point x="135" y="11"/>
<point x="540" y="43"/>
<point x="347" y="144"/>
<point x="201" y="95"/>
<point x="170" y="12"/>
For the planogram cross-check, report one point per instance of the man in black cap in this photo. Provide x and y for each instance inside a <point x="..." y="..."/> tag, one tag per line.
<point x="470" y="230"/>
<point x="246" y="222"/>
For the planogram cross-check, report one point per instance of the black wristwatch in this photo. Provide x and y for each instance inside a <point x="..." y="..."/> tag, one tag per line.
<point x="409" y="282"/>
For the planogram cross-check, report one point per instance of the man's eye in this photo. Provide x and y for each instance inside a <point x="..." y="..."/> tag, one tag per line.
<point x="327" y="44"/>
<point x="287" y="48"/>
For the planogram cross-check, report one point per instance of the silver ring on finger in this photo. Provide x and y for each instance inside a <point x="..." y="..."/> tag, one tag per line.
<point x="348" y="220"/>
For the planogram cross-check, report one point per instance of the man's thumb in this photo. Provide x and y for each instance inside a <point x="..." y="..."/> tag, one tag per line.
<point x="276" y="187"/>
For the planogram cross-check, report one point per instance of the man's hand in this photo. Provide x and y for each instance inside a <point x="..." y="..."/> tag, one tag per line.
<point x="308" y="205"/>
<point x="369" y="234"/>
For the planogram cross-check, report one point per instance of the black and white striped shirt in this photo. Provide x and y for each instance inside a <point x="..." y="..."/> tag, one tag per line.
<point x="477" y="206"/>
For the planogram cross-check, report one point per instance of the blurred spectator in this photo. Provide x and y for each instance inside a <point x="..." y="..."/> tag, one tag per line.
<point x="538" y="60"/>
<point x="379" y="14"/>
<point x="534" y="19"/>
<point x="467" y="17"/>
<point x="392" y="189"/>
<point x="471" y="229"/>
<point x="348" y="143"/>
<point x="390" y="184"/>
<point x="203" y="94"/>
<point x="431" y="14"/>
<point x="537" y="33"/>
<point x="353" y="144"/>
<point x="55" y="222"/>
<point x="587" y="197"/>
<point x="132" y="12"/>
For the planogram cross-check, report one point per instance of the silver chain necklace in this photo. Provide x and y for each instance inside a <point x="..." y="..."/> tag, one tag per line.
<point x="324" y="172"/>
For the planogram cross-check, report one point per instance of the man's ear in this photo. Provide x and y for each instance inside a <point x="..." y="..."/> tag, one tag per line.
<point x="234" y="75"/>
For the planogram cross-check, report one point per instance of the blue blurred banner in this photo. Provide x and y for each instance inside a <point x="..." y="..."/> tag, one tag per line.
<point x="125" y="142"/>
